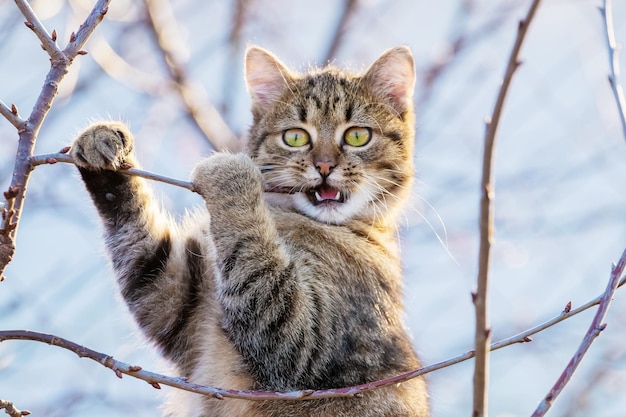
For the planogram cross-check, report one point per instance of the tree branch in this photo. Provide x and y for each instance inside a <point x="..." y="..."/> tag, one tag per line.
<point x="33" y="23"/>
<point x="156" y="380"/>
<point x="596" y="327"/>
<point x="11" y="410"/>
<point x="349" y="8"/>
<point x="53" y="158"/>
<point x="12" y="115"/>
<point x="618" y="92"/>
<point x="205" y="117"/>
<point x="480" y="297"/>
<point x="28" y="129"/>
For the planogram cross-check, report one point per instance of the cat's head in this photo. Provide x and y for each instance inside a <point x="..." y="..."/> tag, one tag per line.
<point x="339" y="145"/>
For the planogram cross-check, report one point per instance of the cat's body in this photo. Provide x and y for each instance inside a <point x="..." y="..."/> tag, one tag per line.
<point x="277" y="291"/>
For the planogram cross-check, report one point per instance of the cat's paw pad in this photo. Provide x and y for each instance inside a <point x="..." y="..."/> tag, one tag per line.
<point x="227" y="175"/>
<point x="103" y="145"/>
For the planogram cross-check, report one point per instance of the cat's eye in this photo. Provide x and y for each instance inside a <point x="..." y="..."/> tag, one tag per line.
<point x="296" y="137"/>
<point x="357" y="136"/>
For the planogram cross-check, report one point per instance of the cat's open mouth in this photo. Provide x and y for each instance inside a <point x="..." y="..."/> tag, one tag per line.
<point x="325" y="194"/>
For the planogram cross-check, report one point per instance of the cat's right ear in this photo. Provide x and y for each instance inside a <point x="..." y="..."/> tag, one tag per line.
<point x="266" y="77"/>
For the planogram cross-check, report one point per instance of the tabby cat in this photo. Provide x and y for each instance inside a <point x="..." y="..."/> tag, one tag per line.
<point x="291" y="279"/>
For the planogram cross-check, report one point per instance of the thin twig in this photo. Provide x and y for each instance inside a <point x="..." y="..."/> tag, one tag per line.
<point x="157" y="379"/>
<point x="240" y="13"/>
<point x="596" y="327"/>
<point x="205" y="117"/>
<point x="53" y="158"/>
<point x="10" y="409"/>
<point x="12" y="115"/>
<point x="28" y="130"/>
<point x="483" y="332"/>
<point x="33" y="23"/>
<point x="459" y="42"/>
<point x="349" y="8"/>
<point x="616" y="86"/>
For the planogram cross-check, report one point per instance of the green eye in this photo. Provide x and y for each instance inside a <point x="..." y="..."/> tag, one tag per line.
<point x="296" y="137"/>
<point x="357" y="136"/>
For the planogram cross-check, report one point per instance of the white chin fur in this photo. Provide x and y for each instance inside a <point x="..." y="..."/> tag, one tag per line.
<point x="339" y="213"/>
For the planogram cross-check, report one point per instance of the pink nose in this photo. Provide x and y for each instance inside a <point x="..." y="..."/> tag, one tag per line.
<point x="324" y="167"/>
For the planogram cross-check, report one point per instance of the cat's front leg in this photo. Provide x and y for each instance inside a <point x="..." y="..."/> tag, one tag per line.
<point x="263" y="301"/>
<point x="160" y="269"/>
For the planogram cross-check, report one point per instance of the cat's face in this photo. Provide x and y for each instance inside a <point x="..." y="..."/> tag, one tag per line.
<point x="338" y="145"/>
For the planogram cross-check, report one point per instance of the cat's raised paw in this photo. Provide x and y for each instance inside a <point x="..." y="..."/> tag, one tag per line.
<point x="226" y="176"/>
<point x="103" y="145"/>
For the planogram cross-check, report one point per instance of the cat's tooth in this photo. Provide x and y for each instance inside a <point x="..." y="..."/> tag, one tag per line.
<point x="338" y="195"/>
<point x="318" y="197"/>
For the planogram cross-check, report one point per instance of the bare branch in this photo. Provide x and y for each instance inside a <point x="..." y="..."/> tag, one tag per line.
<point x="11" y="410"/>
<point x="163" y="25"/>
<point x="618" y="92"/>
<point x="29" y="129"/>
<point x="156" y="380"/>
<point x="12" y="115"/>
<point x="241" y="9"/>
<point x="349" y="8"/>
<point x="79" y="39"/>
<point x="459" y="42"/>
<point x="480" y="297"/>
<point x="53" y="158"/>
<point x="33" y="23"/>
<point x="596" y="327"/>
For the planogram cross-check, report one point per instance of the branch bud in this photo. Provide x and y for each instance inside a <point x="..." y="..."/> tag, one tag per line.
<point x="568" y="307"/>
<point x="54" y="35"/>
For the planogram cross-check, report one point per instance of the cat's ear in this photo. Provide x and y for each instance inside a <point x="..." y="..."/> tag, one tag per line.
<point x="392" y="76"/>
<point x="266" y="77"/>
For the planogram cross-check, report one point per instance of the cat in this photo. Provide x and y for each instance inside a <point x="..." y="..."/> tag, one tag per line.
<point x="291" y="279"/>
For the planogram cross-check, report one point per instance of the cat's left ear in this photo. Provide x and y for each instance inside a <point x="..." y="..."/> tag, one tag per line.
<point x="392" y="76"/>
<point x="266" y="77"/>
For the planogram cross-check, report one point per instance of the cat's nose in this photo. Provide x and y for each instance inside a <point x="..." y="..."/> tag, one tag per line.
<point x="324" y="167"/>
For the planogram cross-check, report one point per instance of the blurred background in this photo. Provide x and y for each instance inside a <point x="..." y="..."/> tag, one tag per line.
<point x="173" y="71"/>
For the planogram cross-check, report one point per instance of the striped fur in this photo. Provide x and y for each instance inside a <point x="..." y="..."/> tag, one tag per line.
<point x="276" y="291"/>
